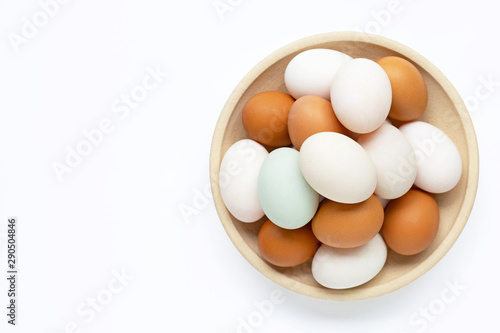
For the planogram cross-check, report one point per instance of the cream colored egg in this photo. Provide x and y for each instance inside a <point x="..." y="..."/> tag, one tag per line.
<point x="347" y="268"/>
<point x="439" y="165"/>
<point x="391" y="153"/>
<point x="311" y="72"/>
<point x="337" y="167"/>
<point x="238" y="179"/>
<point x="361" y="95"/>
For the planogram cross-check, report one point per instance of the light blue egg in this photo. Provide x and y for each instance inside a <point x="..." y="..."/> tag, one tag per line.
<point x="285" y="196"/>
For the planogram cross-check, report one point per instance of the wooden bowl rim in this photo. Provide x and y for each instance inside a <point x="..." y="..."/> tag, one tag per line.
<point x="427" y="263"/>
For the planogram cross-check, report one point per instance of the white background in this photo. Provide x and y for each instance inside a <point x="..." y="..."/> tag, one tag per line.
<point x="118" y="210"/>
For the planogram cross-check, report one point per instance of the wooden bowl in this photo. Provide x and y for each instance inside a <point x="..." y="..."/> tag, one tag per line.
<point x="446" y="111"/>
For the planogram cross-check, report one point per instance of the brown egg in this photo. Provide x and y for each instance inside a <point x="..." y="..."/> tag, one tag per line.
<point x="310" y="115"/>
<point x="286" y="247"/>
<point x="411" y="222"/>
<point x="409" y="92"/>
<point x="265" y="118"/>
<point x="348" y="225"/>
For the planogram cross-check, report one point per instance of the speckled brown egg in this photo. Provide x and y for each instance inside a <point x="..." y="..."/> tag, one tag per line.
<point x="409" y="91"/>
<point x="286" y="247"/>
<point x="411" y="222"/>
<point x="265" y="118"/>
<point x="310" y="115"/>
<point x="348" y="225"/>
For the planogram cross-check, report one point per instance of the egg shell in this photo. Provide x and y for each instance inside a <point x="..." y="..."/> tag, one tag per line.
<point x="337" y="167"/>
<point x="285" y="196"/>
<point x="311" y="72"/>
<point x="265" y="118"/>
<point x="391" y="153"/>
<point x="361" y="95"/>
<point x="238" y="177"/>
<point x="409" y="91"/>
<point x="383" y="201"/>
<point x="347" y="268"/>
<point x="348" y="225"/>
<point x="439" y="166"/>
<point x="285" y="247"/>
<point x="310" y="115"/>
<point x="411" y="222"/>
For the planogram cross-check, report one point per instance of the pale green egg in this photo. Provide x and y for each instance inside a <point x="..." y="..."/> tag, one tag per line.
<point x="285" y="196"/>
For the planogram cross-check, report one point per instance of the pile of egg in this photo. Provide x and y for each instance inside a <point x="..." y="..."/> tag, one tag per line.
<point x="336" y="180"/>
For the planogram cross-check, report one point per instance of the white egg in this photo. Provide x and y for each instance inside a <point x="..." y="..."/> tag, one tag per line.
<point x="439" y="166"/>
<point x="238" y="179"/>
<point x="337" y="167"/>
<point x="347" y="268"/>
<point x="311" y="72"/>
<point x="391" y="153"/>
<point x="361" y="95"/>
